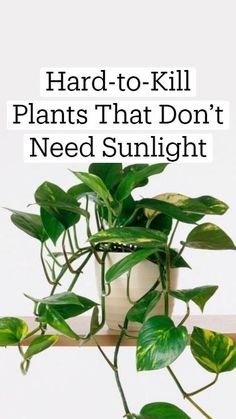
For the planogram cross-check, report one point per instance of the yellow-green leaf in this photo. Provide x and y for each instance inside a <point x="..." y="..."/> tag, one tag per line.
<point x="39" y="344"/>
<point x="159" y="343"/>
<point x="131" y="235"/>
<point x="12" y="330"/>
<point x="213" y="351"/>
<point x="209" y="236"/>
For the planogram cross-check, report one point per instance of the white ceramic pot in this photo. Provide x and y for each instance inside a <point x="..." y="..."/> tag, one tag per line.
<point x="143" y="277"/>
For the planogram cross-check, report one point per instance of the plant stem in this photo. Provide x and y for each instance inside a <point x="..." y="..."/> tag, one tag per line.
<point x="52" y="256"/>
<point x="187" y="396"/>
<point x="37" y="329"/>
<point x="75" y="238"/>
<point x="173" y="233"/>
<point x="44" y="266"/>
<point x="118" y="382"/>
<point x="103" y="354"/>
<point x="79" y="270"/>
<point x="103" y="289"/>
<point x="128" y="288"/>
<point x="167" y="281"/>
<point x="131" y="217"/>
<point x="185" y="317"/>
<point x="205" y="387"/>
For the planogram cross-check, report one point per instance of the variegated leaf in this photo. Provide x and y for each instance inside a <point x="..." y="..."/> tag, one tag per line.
<point x="213" y="351"/>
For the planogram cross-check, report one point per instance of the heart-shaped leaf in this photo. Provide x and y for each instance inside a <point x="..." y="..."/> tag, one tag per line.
<point x="39" y="344"/>
<point x="12" y="330"/>
<point x="127" y="263"/>
<point x="131" y="235"/>
<point x="52" y="226"/>
<point x="209" y="236"/>
<point x="160" y="343"/>
<point x="110" y="173"/>
<point x="67" y="304"/>
<point x="143" y="307"/>
<point x="59" y="204"/>
<point x="49" y="315"/>
<point x="199" y="295"/>
<point x="30" y="224"/>
<point x="213" y="351"/>
<point x="136" y="175"/>
<point x="162" y="410"/>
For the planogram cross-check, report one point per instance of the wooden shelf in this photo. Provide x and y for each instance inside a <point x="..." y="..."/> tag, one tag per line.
<point x="221" y="323"/>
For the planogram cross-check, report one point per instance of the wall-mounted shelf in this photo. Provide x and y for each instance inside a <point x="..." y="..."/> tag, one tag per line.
<point x="220" y="323"/>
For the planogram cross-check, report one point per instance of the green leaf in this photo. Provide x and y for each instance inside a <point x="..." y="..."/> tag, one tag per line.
<point x="162" y="222"/>
<point x="78" y="191"/>
<point x="96" y="184"/>
<point x="59" y="204"/>
<point x="176" y="261"/>
<point x="160" y="343"/>
<point x="125" y="187"/>
<point x="134" y="168"/>
<point x="209" y="236"/>
<point x="39" y="344"/>
<point x="162" y="410"/>
<point x="213" y="205"/>
<point x="135" y="177"/>
<point x="127" y="263"/>
<point x="131" y="235"/>
<point x="30" y="224"/>
<point x="67" y="304"/>
<point x="49" y="315"/>
<point x="52" y="226"/>
<point x="110" y="173"/>
<point x="12" y="330"/>
<point x="166" y="208"/>
<point x="143" y="307"/>
<point x="94" y="323"/>
<point x="202" y="205"/>
<point x="213" y="351"/>
<point x="150" y="170"/>
<point x="199" y="295"/>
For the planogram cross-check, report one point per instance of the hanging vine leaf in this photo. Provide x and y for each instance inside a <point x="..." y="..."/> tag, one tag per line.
<point x="67" y="304"/>
<point x="162" y="410"/>
<point x="31" y="224"/>
<point x="160" y="343"/>
<point x="49" y="315"/>
<point x="209" y="236"/>
<point x="213" y="351"/>
<point x="39" y="344"/>
<point x="199" y="295"/>
<point x="12" y="330"/>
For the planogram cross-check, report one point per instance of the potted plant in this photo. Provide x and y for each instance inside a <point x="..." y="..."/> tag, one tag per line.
<point x="135" y="231"/>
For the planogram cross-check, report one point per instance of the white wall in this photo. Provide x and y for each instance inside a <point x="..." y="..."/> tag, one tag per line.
<point x="135" y="33"/>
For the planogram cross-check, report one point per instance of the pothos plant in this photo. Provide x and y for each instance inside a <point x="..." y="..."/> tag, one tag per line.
<point x="142" y="229"/>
